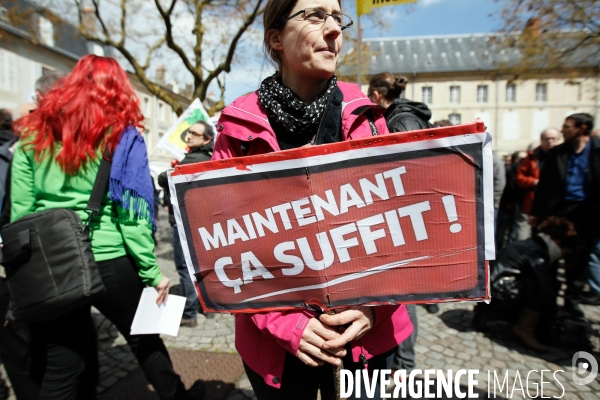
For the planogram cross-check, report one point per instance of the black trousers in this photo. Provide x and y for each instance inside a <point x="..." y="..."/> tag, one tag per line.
<point x="72" y="357"/>
<point x="20" y="352"/>
<point x="301" y="382"/>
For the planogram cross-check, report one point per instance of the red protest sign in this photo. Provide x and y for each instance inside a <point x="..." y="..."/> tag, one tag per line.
<point x="379" y="220"/>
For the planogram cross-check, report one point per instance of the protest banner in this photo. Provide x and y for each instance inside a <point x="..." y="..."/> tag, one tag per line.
<point x="174" y="141"/>
<point x="396" y="218"/>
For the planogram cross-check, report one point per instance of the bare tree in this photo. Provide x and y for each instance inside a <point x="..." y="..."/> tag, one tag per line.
<point x="199" y="37"/>
<point x="551" y="33"/>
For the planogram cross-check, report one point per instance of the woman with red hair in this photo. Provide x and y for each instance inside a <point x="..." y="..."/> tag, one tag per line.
<point x="89" y="114"/>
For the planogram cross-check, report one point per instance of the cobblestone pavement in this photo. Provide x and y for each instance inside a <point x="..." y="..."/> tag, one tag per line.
<point x="446" y="341"/>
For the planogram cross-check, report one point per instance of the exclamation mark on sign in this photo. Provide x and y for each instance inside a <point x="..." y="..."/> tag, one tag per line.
<point x="450" y="207"/>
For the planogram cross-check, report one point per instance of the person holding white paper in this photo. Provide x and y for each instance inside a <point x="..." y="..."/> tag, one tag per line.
<point x="94" y="113"/>
<point x="288" y="355"/>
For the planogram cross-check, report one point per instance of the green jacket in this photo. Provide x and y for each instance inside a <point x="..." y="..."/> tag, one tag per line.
<point x="115" y="232"/>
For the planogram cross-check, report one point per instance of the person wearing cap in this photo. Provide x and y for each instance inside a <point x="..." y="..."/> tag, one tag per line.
<point x="200" y="141"/>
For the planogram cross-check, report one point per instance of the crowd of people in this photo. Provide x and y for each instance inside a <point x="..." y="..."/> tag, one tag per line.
<point x="545" y="200"/>
<point x="547" y="225"/>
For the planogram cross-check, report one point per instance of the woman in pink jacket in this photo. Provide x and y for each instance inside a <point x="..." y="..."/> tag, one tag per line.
<point x="288" y="355"/>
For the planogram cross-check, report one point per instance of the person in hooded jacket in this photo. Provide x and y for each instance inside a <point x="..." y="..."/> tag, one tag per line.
<point x="287" y="355"/>
<point x="200" y="141"/>
<point x="401" y="114"/>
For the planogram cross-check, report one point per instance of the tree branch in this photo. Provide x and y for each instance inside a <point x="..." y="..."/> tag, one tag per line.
<point x="151" y="51"/>
<point x="123" y="17"/>
<point x="138" y="69"/>
<point x="225" y="66"/>
<point x="166" y="16"/>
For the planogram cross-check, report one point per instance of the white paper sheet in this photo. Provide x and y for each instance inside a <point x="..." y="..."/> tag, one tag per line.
<point x="150" y="318"/>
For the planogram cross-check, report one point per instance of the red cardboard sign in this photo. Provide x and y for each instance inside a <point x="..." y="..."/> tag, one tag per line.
<point x="373" y="221"/>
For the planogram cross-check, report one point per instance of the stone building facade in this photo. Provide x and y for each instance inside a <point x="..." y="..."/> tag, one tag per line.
<point x="460" y="79"/>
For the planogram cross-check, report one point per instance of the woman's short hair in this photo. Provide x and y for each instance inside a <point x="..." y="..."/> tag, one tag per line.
<point x="87" y="111"/>
<point x="387" y="85"/>
<point x="275" y="12"/>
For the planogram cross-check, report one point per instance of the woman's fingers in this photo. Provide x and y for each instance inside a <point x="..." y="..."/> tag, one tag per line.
<point x="360" y="320"/>
<point x="163" y="291"/>
<point x="311" y="350"/>
<point x="351" y="333"/>
<point x="318" y="341"/>
<point x="308" y="360"/>
<point x="317" y="354"/>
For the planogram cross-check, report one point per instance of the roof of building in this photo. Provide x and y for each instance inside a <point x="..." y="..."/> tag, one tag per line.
<point x="448" y="53"/>
<point x="68" y="39"/>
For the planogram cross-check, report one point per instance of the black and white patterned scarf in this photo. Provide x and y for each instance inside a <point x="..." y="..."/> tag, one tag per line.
<point x="284" y="107"/>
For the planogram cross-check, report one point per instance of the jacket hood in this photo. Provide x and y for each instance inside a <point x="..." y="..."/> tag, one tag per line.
<point x="6" y="136"/>
<point x="419" y="109"/>
<point x="204" y="148"/>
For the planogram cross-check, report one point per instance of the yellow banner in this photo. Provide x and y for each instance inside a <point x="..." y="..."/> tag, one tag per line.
<point x="365" y="6"/>
<point x="174" y="141"/>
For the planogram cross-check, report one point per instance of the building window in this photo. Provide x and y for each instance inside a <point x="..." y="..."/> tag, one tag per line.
<point x="8" y="71"/>
<point x="161" y="112"/>
<point x="511" y="93"/>
<point x="97" y="49"/>
<point x="573" y="92"/>
<point x="482" y="94"/>
<point x="454" y="94"/>
<point x="454" y="119"/>
<point x="541" y="92"/>
<point x="427" y="94"/>
<point x="146" y="107"/>
<point x="46" y="31"/>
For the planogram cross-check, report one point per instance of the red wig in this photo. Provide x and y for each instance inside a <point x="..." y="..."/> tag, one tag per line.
<point x="87" y="109"/>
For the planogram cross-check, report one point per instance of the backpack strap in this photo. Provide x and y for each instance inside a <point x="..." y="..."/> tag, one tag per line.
<point x="371" y="118"/>
<point x="100" y="186"/>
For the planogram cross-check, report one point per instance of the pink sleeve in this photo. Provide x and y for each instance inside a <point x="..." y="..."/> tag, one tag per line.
<point x="285" y="327"/>
<point x="226" y="147"/>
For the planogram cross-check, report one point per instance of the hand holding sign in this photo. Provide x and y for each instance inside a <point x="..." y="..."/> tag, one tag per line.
<point x="373" y="221"/>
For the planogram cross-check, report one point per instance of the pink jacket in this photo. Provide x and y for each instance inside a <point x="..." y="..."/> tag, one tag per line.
<point x="263" y="339"/>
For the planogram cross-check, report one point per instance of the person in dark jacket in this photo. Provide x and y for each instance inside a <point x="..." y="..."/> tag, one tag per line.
<point x="522" y="280"/>
<point x="401" y="114"/>
<point x="6" y="121"/>
<point x="569" y="187"/>
<point x="200" y="140"/>
<point x="509" y="207"/>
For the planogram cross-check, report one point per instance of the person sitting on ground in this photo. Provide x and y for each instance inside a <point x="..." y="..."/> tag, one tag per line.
<point x="522" y="280"/>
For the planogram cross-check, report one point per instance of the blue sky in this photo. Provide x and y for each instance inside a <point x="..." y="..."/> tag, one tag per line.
<point x="425" y="18"/>
<point x="440" y="17"/>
